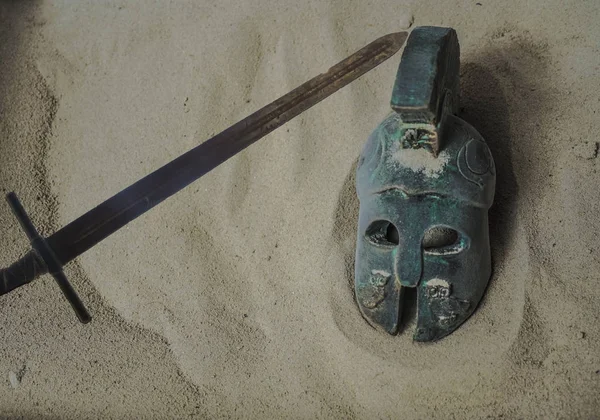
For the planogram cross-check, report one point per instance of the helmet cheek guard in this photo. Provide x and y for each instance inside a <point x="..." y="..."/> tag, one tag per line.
<point x="425" y="182"/>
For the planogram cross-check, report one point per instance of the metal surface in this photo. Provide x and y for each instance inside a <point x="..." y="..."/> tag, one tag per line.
<point x="95" y="225"/>
<point x="425" y="182"/>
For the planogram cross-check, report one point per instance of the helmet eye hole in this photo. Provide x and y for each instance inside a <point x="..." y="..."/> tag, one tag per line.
<point x="440" y="239"/>
<point x="383" y="233"/>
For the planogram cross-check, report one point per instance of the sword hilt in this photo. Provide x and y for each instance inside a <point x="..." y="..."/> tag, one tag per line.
<point x="38" y="261"/>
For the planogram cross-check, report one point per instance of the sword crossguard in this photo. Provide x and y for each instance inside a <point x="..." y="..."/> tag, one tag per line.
<point x="28" y="268"/>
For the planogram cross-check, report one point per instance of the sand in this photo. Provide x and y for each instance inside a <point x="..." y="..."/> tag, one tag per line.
<point x="234" y="298"/>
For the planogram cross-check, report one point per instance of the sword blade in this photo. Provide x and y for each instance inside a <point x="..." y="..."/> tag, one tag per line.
<point x="111" y="215"/>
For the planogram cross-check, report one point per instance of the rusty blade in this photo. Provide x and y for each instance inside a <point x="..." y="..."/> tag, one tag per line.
<point x="103" y="220"/>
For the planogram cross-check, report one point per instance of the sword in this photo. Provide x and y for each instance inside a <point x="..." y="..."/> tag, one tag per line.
<point x="49" y="255"/>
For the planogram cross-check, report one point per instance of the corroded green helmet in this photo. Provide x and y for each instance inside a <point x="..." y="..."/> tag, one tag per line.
<point x="425" y="181"/>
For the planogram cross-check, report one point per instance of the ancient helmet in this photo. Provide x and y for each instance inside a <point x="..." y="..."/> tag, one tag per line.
<point x="425" y="181"/>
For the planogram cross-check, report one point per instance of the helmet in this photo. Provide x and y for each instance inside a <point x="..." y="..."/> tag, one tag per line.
<point x="425" y="181"/>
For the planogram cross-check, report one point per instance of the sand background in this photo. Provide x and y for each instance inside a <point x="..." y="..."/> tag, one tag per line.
<point x="232" y="298"/>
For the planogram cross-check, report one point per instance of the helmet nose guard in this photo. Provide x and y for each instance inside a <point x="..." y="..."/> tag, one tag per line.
<point x="424" y="170"/>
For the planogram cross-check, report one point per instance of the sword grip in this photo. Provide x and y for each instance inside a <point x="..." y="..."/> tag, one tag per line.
<point x="23" y="271"/>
